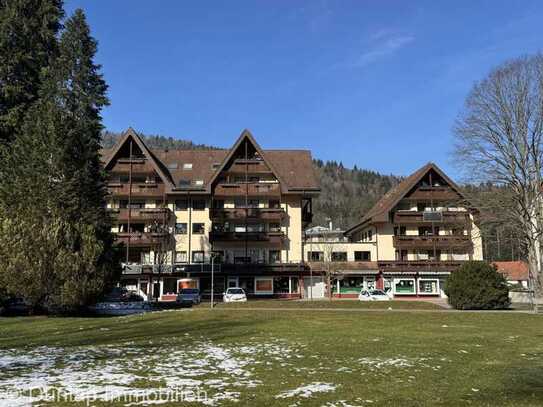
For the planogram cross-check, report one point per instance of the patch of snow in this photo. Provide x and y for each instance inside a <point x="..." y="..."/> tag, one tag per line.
<point x="308" y="390"/>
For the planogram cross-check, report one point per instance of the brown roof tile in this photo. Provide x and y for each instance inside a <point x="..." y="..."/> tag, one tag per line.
<point x="513" y="270"/>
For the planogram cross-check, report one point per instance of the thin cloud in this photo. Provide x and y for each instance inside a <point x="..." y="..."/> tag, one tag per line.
<point x="386" y="45"/>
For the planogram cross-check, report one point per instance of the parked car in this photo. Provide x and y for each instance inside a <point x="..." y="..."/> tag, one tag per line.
<point x="15" y="306"/>
<point x="189" y="296"/>
<point x="373" y="295"/>
<point x="234" y="295"/>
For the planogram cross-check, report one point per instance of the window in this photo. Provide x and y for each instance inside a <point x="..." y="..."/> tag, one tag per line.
<point x="275" y="256"/>
<point x="198" y="257"/>
<point x="275" y="227"/>
<point x="362" y="256"/>
<point x="181" y="257"/>
<point x="181" y="205"/>
<point x="199" y="182"/>
<point x="404" y="286"/>
<point x="199" y="204"/>
<point x="399" y="231"/>
<point x="281" y="285"/>
<point x="172" y="166"/>
<point x="169" y="286"/>
<point x="218" y="204"/>
<point x="428" y="286"/>
<point x="274" y="204"/>
<point x="263" y="285"/>
<point x="370" y="235"/>
<point x="183" y="183"/>
<point x="187" y="166"/>
<point x="349" y="285"/>
<point x="339" y="256"/>
<point x="401" y="255"/>
<point x="198" y="228"/>
<point x="180" y="228"/>
<point x="315" y="256"/>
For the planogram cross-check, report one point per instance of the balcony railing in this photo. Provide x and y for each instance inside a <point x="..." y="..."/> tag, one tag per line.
<point x="430" y="241"/>
<point x="138" y="190"/>
<point x="435" y="193"/>
<point x="142" y="238"/>
<point x="143" y="214"/>
<point x="139" y="166"/>
<point x="252" y="189"/>
<point x="226" y="214"/>
<point x="444" y="217"/>
<point x="272" y="237"/>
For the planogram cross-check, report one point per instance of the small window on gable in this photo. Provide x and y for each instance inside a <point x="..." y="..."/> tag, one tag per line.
<point x="215" y="166"/>
<point x="199" y="182"/>
<point x="187" y="166"/>
<point x="184" y="183"/>
<point x="172" y="166"/>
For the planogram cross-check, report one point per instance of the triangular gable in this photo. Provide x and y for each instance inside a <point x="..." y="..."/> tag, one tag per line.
<point x="245" y="135"/>
<point x="131" y="134"/>
<point x="379" y="212"/>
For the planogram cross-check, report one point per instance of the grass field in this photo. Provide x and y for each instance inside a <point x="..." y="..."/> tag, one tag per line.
<point x="274" y="358"/>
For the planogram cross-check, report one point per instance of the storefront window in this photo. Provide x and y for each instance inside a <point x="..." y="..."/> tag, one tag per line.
<point x="404" y="286"/>
<point x="349" y="285"/>
<point x="264" y="286"/>
<point x="169" y="286"/>
<point x="248" y="284"/>
<point x="428" y="286"/>
<point x="294" y="285"/>
<point x="280" y="285"/>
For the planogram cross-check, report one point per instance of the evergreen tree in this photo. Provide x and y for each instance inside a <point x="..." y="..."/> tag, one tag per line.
<point x="58" y="251"/>
<point x="28" y="30"/>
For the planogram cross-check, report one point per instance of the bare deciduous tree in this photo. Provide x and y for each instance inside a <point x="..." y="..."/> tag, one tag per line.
<point x="499" y="140"/>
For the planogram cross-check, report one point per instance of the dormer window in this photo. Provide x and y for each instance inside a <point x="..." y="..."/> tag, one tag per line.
<point x="187" y="166"/>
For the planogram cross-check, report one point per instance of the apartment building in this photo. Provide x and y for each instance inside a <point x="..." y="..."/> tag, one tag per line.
<point x="408" y="243"/>
<point x="238" y="213"/>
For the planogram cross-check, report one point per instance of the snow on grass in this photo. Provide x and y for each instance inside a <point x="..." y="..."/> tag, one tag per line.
<point x="97" y="372"/>
<point x="308" y="390"/>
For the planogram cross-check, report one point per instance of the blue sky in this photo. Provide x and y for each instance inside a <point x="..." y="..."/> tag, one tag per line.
<point x="372" y="83"/>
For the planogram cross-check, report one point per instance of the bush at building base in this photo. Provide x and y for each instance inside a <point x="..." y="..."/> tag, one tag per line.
<point x="477" y="285"/>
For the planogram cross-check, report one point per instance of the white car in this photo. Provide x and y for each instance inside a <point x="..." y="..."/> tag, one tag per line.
<point x="234" y="295"/>
<point x="373" y="295"/>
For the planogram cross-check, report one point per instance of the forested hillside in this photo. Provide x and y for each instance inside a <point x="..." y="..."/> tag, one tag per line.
<point x="346" y="194"/>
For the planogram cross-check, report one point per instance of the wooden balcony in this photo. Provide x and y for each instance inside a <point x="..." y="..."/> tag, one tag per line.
<point x="419" y="266"/>
<point x="429" y="242"/>
<point x="232" y="237"/>
<point x="139" y="166"/>
<point x="434" y="193"/>
<point x="249" y="214"/>
<point x="271" y="190"/>
<point x="139" y="239"/>
<point x="142" y="214"/>
<point x="419" y="218"/>
<point x="241" y="166"/>
<point x="139" y="190"/>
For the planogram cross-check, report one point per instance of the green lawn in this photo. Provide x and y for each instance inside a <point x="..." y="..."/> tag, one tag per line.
<point x="258" y="358"/>
<point x="320" y="304"/>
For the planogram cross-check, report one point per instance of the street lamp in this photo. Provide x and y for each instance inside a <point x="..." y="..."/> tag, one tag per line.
<point x="212" y="279"/>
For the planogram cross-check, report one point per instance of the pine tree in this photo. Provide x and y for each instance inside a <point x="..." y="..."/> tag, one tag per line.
<point x="28" y="30"/>
<point x="58" y="252"/>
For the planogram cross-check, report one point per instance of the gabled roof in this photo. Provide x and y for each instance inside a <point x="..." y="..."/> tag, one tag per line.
<point x="130" y="134"/>
<point x="379" y="212"/>
<point x="245" y="135"/>
<point x="293" y="168"/>
<point x="513" y="270"/>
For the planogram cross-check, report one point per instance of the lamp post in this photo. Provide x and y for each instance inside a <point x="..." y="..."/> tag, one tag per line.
<point x="212" y="279"/>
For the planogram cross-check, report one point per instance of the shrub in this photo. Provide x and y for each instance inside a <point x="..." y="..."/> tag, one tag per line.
<point x="477" y="285"/>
